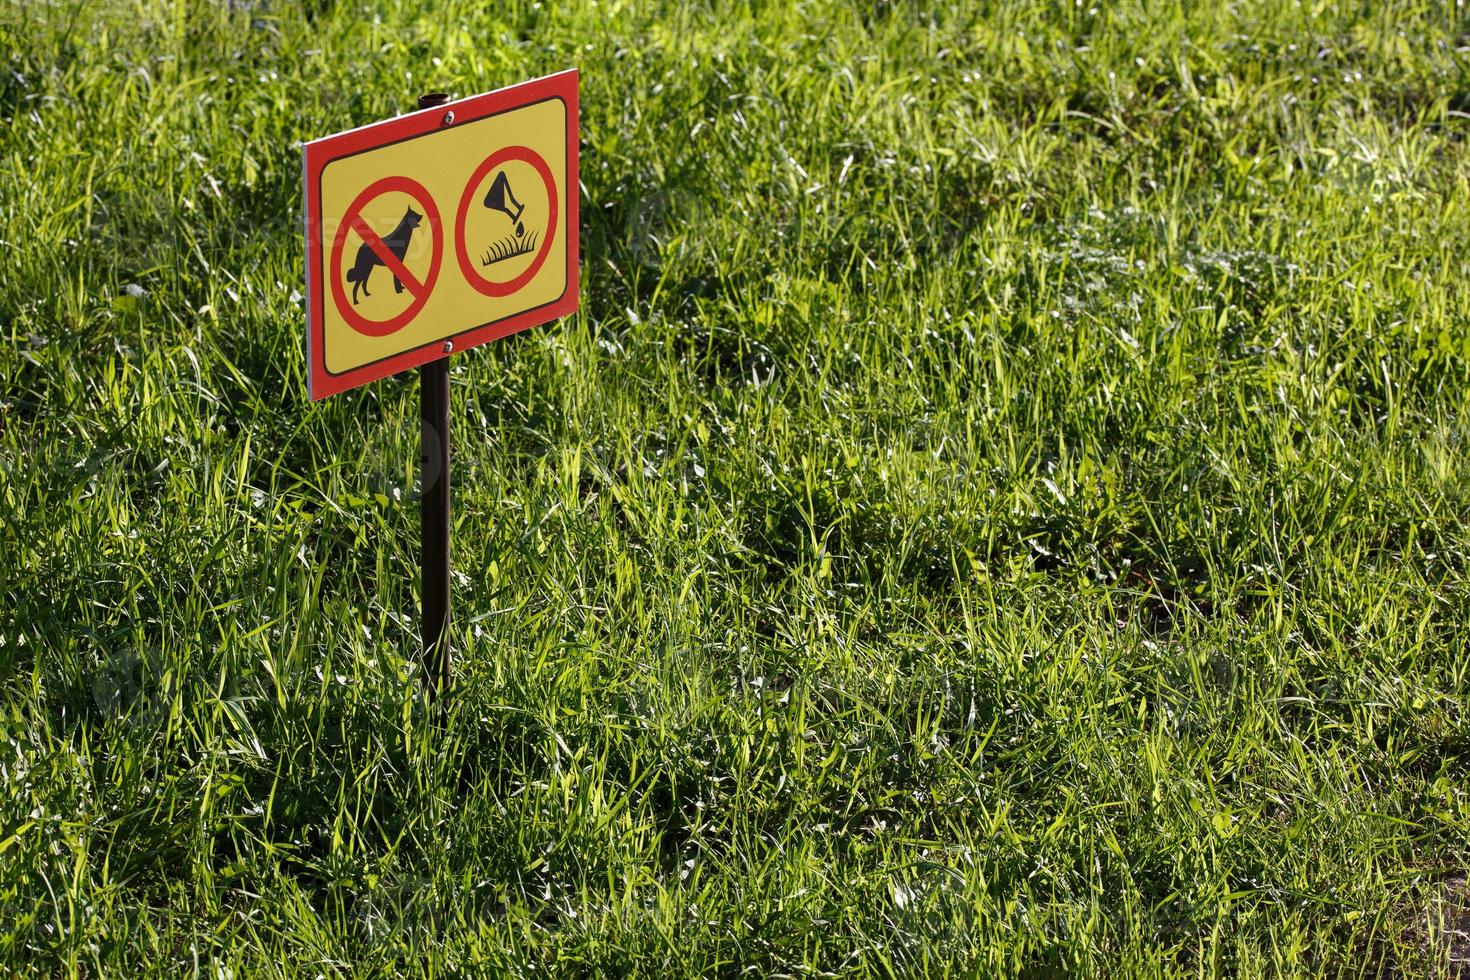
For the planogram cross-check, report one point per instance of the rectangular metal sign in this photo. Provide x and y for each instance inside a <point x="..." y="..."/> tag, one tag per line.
<point x="439" y="230"/>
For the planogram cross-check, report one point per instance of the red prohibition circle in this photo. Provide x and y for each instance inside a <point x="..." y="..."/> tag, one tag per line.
<point x="350" y="218"/>
<point x="489" y="286"/>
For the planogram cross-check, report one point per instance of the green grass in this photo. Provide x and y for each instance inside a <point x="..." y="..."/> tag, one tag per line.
<point x="1001" y="508"/>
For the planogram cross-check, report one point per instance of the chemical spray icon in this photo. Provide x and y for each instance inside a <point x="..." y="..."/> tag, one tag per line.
<point x="500" y="198"/>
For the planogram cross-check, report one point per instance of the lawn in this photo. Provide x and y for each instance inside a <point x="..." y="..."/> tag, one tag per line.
<point x="1001" y="508"/>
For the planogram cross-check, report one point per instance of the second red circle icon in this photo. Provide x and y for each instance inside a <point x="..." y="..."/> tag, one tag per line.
<point x="509" y="206"/>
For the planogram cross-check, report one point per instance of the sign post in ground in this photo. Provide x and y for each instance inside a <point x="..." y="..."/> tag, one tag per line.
<point x="434" y="505"/>
<point x="491" y="179"/>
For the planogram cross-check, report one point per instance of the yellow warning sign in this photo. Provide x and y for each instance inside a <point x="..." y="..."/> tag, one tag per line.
<point x="439" y="230"/>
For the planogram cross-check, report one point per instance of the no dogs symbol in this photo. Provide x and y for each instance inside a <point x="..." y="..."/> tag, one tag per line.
<point x="399" y="246"/>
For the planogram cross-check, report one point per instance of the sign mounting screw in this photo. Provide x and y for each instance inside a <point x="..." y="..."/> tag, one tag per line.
<point x="448" y="346"/>
<point x="449" y="117"/>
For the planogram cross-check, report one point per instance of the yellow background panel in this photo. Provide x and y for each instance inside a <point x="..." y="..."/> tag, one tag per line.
<point x="443" y="162"/>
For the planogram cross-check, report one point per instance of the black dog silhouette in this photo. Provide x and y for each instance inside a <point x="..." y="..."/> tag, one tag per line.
<point x="397" y="242"/>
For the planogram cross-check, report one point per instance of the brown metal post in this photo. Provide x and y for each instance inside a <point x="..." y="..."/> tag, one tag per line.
<point x="434" y="516"/>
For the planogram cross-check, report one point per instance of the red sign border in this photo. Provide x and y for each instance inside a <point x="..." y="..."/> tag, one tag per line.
<point x="317" y="154"/>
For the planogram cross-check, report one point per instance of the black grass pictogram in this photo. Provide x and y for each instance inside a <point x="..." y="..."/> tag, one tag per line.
<point x="509" y="248"/>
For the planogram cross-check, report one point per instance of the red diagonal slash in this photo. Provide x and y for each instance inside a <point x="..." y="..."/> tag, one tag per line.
<point x="372" y="241"/>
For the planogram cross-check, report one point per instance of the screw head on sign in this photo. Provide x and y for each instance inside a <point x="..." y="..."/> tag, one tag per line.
<point x="449" y="117"/>
<point x="448" y="346"/>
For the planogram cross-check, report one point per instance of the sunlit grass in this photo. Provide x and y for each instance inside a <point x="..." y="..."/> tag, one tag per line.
<point x="1000" y="509"/>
